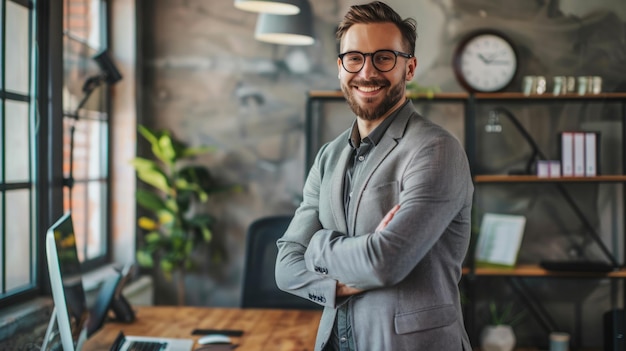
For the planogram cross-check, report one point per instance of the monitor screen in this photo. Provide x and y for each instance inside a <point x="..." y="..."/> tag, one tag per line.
<point x="66" y="283"/>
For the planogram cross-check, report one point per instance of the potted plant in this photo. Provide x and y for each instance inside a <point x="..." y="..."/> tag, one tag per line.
<point x="499" y="335"/>
<point x="175" y="224"/>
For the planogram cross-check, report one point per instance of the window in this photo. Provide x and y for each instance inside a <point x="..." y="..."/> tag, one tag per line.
<point x="18" y="255"/>
<point x="86" y="128"/>
<point x="45" y="112"/>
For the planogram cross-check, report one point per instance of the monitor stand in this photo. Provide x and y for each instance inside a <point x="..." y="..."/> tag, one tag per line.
<point x="49" y="331"/>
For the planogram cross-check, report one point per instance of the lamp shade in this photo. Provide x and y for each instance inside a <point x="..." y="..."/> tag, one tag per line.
<point x="287" y="29"/>
<point x="278" y="7"/>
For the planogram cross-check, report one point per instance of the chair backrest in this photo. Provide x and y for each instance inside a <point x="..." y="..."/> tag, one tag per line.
<point x="259" y="284"/>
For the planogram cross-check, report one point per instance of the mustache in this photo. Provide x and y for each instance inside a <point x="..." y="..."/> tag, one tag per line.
<point x="375" y="82"/>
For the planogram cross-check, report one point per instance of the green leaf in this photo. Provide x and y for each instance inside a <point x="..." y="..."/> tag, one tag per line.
<point x="194" y="151"/>
<point x="147" y="134"/>
<point x="166" y="265"/>
<point x="140" y="163"/>
<point x="171" y="205"/>
<point x="155" y="177"/>
<point x="166" y="149"/>
<point x="152" y="238"/>
<point x="201" y="220"/>
<point x="207" y="235"/>
<point x="145" y="259"/>
<point x="166" y="217"/>
<point x="188" y="248"/>
<point x="178" y="243"/>
<point x="149" y="200"/>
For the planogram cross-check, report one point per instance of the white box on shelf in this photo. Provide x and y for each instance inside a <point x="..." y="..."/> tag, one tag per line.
<point x="543" y="169"/>
<point x="555" y="168"/>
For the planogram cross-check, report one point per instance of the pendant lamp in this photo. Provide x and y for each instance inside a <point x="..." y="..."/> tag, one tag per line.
<point x="287" y="29"/>
<point x="278" y="7"/>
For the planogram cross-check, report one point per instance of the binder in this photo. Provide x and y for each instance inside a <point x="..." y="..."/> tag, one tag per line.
<point x="591" y="154"/>
<point x="567" y="154"/>
<point x="579" y="154"/>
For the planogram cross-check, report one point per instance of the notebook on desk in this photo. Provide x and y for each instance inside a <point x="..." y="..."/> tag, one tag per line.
<point x="70" y="304"/>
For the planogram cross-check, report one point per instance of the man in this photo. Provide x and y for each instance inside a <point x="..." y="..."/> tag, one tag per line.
<point x="384" y="224"/>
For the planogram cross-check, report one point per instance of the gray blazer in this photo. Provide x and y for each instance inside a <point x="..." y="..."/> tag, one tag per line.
<point x="410" y="271"/>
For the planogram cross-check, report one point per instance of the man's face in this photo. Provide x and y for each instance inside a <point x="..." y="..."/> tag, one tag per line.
<point x="370" y="93"/>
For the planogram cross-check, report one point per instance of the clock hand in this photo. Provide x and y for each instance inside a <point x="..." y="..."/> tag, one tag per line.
<point x="483" y="58"/>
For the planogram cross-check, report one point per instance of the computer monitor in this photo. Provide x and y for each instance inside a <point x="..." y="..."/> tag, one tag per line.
<point x="70" y="303"/>
<point x="75" y="321"/>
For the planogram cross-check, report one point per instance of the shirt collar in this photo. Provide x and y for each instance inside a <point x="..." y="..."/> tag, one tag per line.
<point x="374" y="137"/>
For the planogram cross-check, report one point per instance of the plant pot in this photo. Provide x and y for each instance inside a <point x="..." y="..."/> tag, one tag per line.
<point x="497" y="338"/>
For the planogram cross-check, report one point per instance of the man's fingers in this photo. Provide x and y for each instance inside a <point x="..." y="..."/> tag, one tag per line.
<point x="385" y="221"/>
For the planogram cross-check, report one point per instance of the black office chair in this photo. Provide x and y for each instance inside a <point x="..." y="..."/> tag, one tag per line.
<point x="259" y="284"/>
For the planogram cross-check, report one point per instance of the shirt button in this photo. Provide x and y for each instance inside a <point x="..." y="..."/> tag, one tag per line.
<point x="343" y="339"/>
<point x="361" y="158"/>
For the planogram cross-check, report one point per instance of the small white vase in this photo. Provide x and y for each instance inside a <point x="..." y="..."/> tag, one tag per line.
<point x="497" y="338"/>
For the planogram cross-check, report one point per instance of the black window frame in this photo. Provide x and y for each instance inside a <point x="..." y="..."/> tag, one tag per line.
<point x="48" y="182"/>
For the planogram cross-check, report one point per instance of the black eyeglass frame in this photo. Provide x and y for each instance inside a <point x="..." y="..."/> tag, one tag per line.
<point x="371" y="55"/>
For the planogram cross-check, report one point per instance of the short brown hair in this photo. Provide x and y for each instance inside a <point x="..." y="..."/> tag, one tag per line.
<point x="379" y="12"/>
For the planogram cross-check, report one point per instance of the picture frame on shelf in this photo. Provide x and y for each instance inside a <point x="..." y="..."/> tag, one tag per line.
<point x="499" y="240"/>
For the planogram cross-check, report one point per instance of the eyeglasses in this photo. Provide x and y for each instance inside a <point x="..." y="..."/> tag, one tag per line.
<point x="383" y="60"/>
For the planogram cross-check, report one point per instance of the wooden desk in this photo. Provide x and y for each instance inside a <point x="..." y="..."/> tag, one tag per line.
<point x="264" y="329"/>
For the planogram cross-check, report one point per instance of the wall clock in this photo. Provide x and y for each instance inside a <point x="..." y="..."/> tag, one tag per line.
<point x="485" y="61"/>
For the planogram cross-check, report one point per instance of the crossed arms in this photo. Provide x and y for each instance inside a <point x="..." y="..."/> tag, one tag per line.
<point x="313" y="260"/>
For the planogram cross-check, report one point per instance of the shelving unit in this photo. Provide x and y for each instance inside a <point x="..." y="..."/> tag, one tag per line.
<point x="535" y="179"/>
<point x="528" y="270"/>
<point x="472" y="104"/>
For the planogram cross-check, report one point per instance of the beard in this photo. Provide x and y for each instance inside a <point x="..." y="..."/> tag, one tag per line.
<point x="373" y="112"/>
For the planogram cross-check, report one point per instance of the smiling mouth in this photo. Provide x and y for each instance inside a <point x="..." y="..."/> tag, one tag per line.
<point x="368" y="89"/>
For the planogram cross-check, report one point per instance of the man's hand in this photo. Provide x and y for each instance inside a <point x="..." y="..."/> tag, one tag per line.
<point x="385" y="221"/>
<point x="344" y="290"/>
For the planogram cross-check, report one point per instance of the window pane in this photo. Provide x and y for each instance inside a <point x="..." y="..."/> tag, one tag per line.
<point x="82" y="20"/>
<point x="90" y="149"/>
<point x="89" y="213"/>
<point x="18" y="235"/>
<point x="84" y="104"/>
<point x="17" y="142"/>
<point x="96" y="241"/>
<point x="78" y="67"/>
<point x="17" y="61"/>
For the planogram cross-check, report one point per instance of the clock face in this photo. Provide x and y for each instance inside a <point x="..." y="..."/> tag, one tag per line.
<point x="485" y="62"/>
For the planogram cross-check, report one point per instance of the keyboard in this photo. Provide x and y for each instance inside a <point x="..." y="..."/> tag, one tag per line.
<point x="146" y="346"/>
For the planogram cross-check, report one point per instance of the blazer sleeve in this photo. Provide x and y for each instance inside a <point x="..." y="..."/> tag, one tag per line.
<point x="435" y="186"/>
<point x="291" y="273"/>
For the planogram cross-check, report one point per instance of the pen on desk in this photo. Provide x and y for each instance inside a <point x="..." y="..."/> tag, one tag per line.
<point x="229" y="332"/>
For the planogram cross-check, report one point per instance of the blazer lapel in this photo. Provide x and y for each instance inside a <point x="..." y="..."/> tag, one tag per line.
<point x="336" y="204"/>
<point x="387" y="143"/>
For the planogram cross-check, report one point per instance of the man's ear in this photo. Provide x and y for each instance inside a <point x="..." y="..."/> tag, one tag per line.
<point x="412" y="65"/>
<point x="339" y="68"/>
